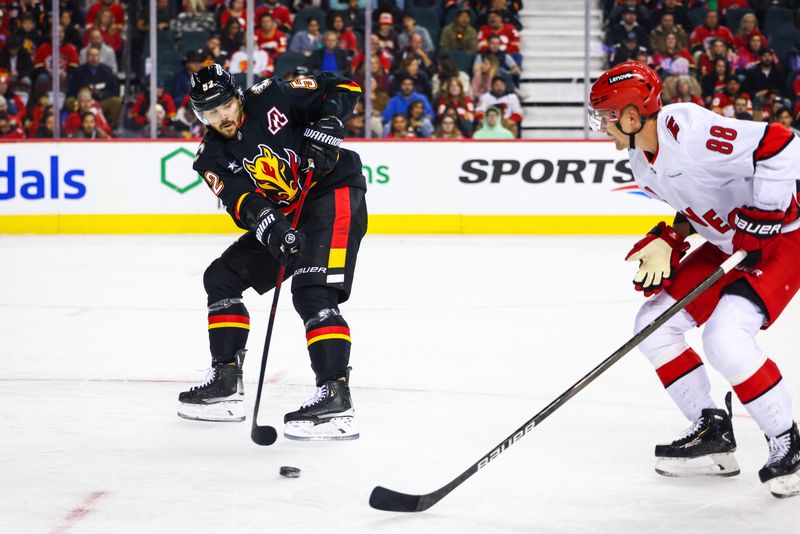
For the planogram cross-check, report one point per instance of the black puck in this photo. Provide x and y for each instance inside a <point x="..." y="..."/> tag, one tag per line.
<point x="289" y="471"/>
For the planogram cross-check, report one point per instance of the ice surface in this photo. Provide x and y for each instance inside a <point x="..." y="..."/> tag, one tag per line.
<point x="457" y="342"/>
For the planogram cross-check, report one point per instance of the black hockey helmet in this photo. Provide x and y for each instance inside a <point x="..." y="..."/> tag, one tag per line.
<point x="212" y="86"/>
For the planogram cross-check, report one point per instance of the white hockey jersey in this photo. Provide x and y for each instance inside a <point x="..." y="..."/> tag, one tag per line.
<point x="707" y="165"/>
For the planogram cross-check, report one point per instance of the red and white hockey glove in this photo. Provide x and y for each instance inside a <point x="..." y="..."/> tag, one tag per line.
<point x="755" y="229"/>
<point x="658" y="255"/>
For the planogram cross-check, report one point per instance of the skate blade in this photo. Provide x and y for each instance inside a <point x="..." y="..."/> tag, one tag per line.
<point x="218" y="412"/>
<point x="721" y="465"/>
<point x="334" y="429"/>
<point x="785" y="486"/>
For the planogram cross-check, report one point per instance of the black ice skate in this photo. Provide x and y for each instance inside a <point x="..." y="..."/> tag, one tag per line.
<point x="782" y="471"/>
<point x="220" y="397"/>
<point x="705" y="448"/>
<point x="328" y="415"/>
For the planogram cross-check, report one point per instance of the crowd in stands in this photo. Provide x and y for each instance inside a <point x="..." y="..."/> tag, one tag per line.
<point x="738" y="58"/>
<point x="447" y="69"/>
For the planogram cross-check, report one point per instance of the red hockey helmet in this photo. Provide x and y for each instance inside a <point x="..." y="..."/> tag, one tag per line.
<point x="627" y="84"/>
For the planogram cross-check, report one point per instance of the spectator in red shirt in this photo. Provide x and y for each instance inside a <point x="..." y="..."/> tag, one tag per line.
<point x="347" y="39"/>
<point x="111" y="34"/>
<point x="86" y="104"/>
<point x="722" y="102"/>
<point x="384" y="58"/>
<point x="43" y="63"/>
<point x="88" y="128"/>
<point x="671" y="60"/>
<point x="114" y="7"/>
<point x="9" y="129"/>
<point x="269" y="37"/>
<point x="747" y="57"/>
<point x="717" y="50"/>
<point x="452" y="95"/>
<point x="748" y="27"/>
<point x="280" y="14"/>
<point x="237" y="10"/>
<point x="509" y="37"/>
<point x="703" y="35"/>
<point x="139" y="114"/>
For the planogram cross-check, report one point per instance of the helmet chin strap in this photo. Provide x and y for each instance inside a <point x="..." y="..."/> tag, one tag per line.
<point x="632" y="135"/>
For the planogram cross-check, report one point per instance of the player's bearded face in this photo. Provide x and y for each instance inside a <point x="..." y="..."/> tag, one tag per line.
<point x="225" y="118"/>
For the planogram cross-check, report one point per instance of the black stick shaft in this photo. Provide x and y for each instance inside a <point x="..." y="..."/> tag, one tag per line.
<point x="389" y="500"/>
<point x="274" y="308"/>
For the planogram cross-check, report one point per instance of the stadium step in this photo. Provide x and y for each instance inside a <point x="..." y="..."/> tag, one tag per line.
<point x="545" y="66"/>
<point x="553" y="92"/>
<point x="553" y="65"/>
<point x="553" y="116"/>
<point x="560" y="43"/>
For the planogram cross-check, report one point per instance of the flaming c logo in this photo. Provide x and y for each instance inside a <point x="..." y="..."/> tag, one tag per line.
<point x="274" y="175"/>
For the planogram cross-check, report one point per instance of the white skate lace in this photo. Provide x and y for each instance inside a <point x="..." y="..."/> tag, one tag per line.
<point x="778" y="448"/>
<point x="207" y="379"/>
<point x="319" y="395"/>
<point x="691" y="430"/>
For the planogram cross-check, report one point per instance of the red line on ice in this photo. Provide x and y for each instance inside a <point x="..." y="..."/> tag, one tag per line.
<point x="79" y="512"/>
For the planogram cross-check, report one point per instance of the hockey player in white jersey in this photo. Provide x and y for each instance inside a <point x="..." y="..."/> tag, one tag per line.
<point x="734" y="183"/>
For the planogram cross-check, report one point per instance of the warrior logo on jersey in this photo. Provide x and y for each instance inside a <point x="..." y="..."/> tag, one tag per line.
<point x="274" y="175"/>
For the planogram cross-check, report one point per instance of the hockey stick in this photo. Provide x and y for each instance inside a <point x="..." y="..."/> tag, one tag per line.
<point x="266" y="435"/>
<point x="393" y="501"/>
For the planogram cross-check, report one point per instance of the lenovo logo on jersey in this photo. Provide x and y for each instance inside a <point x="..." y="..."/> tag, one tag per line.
<point x="620" y="77"/>
<point x="35" y="185"/>
<point x="538" y="171"/>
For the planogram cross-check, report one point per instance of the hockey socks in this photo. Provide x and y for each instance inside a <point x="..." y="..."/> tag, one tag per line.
<point x="328" y="340"/>
<point x="228" y="327"/>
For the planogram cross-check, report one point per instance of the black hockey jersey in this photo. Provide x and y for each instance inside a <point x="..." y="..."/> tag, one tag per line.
<point x="261" y="166"/>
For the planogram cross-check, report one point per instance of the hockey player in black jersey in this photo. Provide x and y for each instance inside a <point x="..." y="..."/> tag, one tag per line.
<point x="253" y="158"/>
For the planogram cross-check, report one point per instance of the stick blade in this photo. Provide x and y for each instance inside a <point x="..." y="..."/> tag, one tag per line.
<point x="393" y="501"/>
<point x="263" y="435"/>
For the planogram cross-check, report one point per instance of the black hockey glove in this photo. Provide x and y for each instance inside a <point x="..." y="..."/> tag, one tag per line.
<point x="321" y="142"/>
<point x="274" y="232"/>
